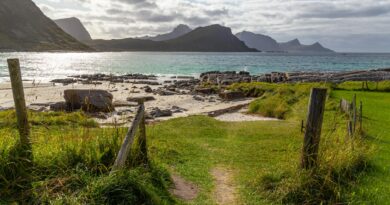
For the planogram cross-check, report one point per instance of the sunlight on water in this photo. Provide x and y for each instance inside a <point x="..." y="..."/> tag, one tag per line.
<point x="46" y="66"/>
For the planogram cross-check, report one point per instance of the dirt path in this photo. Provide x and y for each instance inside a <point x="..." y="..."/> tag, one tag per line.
<point x="225" y="191"/>
<point x="183" y="189"/>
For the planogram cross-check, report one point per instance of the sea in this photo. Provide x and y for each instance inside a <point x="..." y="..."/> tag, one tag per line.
<point x="43" y="67"/>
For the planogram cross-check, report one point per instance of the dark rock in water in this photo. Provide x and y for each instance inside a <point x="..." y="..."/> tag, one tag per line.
<point x="66" y="81"/>
<point x="157" y="112"/>
<point x="141" y="99"/>
<point x="59" y="107"/>
<point x="168" y="81"/>
<point x="231" y="95"/>
<point x="89" y="100"/>
<point x="204" y="91"/>
<point x="225" y="78"/>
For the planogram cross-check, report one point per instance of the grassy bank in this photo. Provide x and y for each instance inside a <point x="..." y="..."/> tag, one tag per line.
<point x="71" y="164"/>
<point x="72" y="157"/>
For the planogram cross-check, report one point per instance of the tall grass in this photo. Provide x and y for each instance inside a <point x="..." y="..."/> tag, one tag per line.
<point x="72" y="160"/>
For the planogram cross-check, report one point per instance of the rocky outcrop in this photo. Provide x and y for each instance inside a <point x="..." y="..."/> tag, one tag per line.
<point x="225" y="78"/>
<point x="89" y="100"/>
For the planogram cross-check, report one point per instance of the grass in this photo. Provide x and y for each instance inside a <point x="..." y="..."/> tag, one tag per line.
<point x="72" y="157"/>
<point x="374" y="187"/>
<point x="72" y="160"/>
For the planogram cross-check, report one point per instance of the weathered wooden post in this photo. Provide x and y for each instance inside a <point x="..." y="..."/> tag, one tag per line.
<point x="313" y="128"/>
<point x="20" y="107"/>
<point x="142" y="138"/>
<point x="354" y="113"/>
<point x="129" y="140"/>
<point x="361" y="116"/>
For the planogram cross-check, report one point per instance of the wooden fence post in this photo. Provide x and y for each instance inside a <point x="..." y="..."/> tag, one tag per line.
<point x="354" y="113"/>
<point x="20" y="107"/>
<point x="313" y="128"/>
<point x="129" y="140"/>
<point x="142" y="139"/>
<point x="361" y="116"/>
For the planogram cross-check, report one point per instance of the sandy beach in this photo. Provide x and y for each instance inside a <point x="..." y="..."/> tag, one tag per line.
<point x="39" y="96"/>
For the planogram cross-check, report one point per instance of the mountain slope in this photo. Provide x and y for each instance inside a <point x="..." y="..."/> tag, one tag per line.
<point x="213" y="38"/>
<point x="210" y="38"/>
<point x="177" y="32"/>
<point x="295" y="46"/>
<point x="259" y="42"/>
<point x="75" y="28"/>
<point x="23" y="27"/>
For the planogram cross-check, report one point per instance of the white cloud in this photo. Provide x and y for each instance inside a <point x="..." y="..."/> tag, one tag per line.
<point x="283" y="19"/>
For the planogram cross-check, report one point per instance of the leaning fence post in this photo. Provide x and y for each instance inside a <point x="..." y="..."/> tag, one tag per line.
<point x="20" y="107"/>
<point x="129" y="140"/>
<point x="313" y="128"/>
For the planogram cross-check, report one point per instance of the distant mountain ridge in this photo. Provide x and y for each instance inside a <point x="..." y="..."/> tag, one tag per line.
<point x="214" y="38"/>
<point x="295" y="46"/>
<point x="259" y="41"/>
<point x="25" y="28"/>
<point x="74" y="27"/>
<point x="180" y="30"/>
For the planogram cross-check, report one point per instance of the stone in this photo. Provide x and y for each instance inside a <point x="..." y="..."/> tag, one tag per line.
<point x="148" y="89"/>
<point x="204" y="91"/>
<point x="89" y="100"/>
<point x="59" y="107"/>
<point x="231" y="95"/>
<point x="157" y="112"/>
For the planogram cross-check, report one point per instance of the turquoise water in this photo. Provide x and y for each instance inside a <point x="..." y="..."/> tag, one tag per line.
<point x="46" y="66"/>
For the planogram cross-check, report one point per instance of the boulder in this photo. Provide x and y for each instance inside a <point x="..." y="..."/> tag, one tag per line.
<point x="59" y="107"/>
<point x="231" y="95"/>
<point x="148" y="89"/>
<point x="204" y="91"/>
<point x="157" y="112"/>
<point x="89" y="100"/>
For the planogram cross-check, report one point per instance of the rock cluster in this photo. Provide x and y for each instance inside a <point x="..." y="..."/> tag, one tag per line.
<point x="225" y="78"/>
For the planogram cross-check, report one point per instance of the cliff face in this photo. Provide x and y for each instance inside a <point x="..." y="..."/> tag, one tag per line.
<point x="75" y="28"/>
<point x="25" y="28"/>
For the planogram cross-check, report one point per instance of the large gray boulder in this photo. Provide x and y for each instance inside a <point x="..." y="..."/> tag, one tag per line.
<point x="89" y="100"/>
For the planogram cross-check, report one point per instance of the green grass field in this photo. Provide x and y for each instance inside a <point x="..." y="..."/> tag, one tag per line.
<point x="375" y="187"/>
<point x="72" y="157"/>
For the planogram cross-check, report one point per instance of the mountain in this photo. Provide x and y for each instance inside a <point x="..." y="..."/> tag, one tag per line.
<point x="295" y="46"/>
<point x="259" y="41"/>
<point x="214" y="38"/>
<point x="75" y="28"/>
<point x="177" y="32"/>
<point x="23" y="27"/>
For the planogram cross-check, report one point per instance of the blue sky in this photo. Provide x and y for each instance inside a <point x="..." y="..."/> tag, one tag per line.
<point x="342" y="25"/>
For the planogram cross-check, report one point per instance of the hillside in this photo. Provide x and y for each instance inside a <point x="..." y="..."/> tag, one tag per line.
<point x="259" y="41"/>
<point x="214" y="38"/>
<point x="75" y="28"/>
<point x="295" y="46"/>
<point x="180" y="30"/>
<point x="25" y="28"/>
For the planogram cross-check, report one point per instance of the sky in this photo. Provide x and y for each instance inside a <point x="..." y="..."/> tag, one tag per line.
<point x="342" y="25"/>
